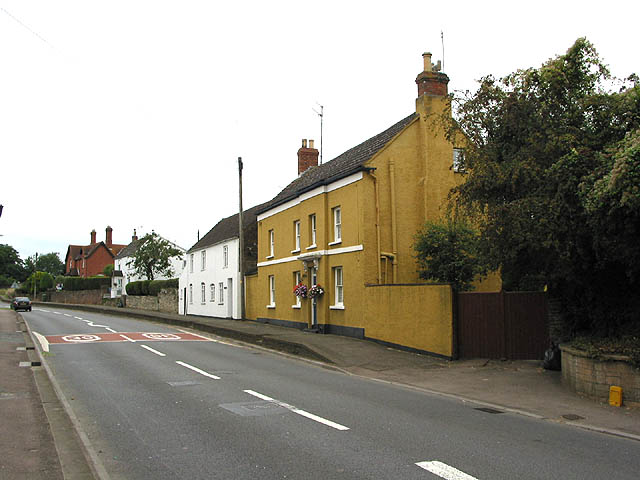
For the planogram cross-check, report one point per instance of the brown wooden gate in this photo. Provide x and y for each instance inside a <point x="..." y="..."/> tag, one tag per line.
<point x="511" y="325"/>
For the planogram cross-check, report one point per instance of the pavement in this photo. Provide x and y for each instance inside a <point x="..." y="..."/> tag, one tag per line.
<point x="521" y="387"/>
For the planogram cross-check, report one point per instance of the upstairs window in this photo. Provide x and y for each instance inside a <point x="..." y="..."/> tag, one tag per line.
<point x="272" y="241"/>
<point x="203" y="264"/>
<point x="225" y="256"/>
<point x="458" y="160"/>
<point x="191" y="263"/>
<point x="296" y="236"/>
<point x="337" y="225"/>
<point x="312" y="229"/>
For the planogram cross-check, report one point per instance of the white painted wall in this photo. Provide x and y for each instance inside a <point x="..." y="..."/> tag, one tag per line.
<point x="214" y="273"/>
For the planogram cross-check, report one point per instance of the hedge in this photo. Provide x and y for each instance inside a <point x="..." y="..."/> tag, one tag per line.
<point x="150" y="287"/>
<point x="81" y="283"/>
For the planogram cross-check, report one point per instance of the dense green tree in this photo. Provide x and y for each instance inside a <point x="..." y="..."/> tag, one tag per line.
<point x="42" y="280"/>
<point x="552" y="175"/>
<point x="447" y="251"/>
<point x="107" y="270"/>
<point x="49" y="262"/>
<point x="11" y="265"/>
<point x="152" y="257"/>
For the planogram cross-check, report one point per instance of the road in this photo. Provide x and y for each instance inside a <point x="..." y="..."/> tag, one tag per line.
<point x="159" y="403"/>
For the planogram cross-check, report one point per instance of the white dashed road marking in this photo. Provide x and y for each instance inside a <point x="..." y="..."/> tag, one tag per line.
<point x="195" y="369"/>
<point x="444" y="471"/>
<point x="308" y="415"/>
<point x="153" y="350"/>
<point x="127" y="338"/>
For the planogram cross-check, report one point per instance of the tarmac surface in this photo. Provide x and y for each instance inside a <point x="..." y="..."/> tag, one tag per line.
<point x="37" y="438"/>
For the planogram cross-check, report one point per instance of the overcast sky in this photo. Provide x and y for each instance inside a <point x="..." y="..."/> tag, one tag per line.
<point x="133" y="113"/>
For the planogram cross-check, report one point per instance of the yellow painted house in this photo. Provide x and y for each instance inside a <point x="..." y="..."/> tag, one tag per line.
<point x="348" y="225"/>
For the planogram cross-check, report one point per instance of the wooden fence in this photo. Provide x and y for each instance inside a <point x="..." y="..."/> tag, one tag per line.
<point x="511" y="325"/>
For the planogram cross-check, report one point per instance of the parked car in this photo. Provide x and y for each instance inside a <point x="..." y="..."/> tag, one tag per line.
<point x="21" y="303"/>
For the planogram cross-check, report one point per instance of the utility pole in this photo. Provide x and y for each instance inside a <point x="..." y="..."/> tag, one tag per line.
<point x="241" y="236"/>
<point x="35" y="277"/>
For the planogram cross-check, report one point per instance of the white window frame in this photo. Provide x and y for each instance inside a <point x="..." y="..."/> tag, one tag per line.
<point x="203" y="260"/>
<point x="458" y="160"/>
<point x="225" y="256"/>
<point x="296" y="236"/>
<point x="212" y="292"/>
<point x="312" y="230"/>
<point x="297" y="278"/>
<point x="191" y="263"/>
<point x="337" y="225"/>
<point x="221" y="293"/>
<point x="272" y="243"/>
<point x="203" y="293"/>
<point x="272" y="292"/>
<point x="338" y="288"/>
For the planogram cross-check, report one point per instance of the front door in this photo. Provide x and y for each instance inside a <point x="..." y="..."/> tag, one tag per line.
<point x="313" y="279"/>
<point x="230" y="297"/>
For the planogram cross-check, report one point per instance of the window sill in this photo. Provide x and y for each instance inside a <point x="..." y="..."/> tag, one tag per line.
<point x="295" y="251"/>
<point x="311" y="247"/>
<point x="337" y="242"/>
<point x="336" y="307"/>
<point x="269" y="257"/>
<point x="271" y="306"/>
<point x="296" y="306"/>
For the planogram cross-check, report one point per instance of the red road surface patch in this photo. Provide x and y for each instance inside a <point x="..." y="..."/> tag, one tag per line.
<point x="123" y="337"/>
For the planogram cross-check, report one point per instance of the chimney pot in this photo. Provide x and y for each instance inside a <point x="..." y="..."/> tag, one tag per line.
<point x="427" y="61"/>
<point x="431" y="82"/>
<point x="304" y="143"/>
<point x="109" y="236"/>
<point x="310" y="143"/>
<point x="93" y="236"/>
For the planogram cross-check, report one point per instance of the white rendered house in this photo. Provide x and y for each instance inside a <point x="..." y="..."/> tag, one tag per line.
<point x="209" y="284"/>
<point x="123" y="274"/>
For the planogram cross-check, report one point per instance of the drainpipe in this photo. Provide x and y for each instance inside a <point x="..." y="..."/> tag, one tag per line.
<point x="394" y="226"/>
<point x="377" y="193"/>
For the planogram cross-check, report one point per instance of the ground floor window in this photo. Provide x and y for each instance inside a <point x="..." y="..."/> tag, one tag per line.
<point x="190" y="293"/>
<point x="338" y="287"/>
<point x="221" y="293"/>
<point x="202" y="294"/>
<point x="272" y="291"/>
<point x="212" y="288"/>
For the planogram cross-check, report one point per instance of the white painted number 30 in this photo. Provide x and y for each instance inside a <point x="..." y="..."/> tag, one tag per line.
<point x="161" y="336"/>
<point x="81" y="338"/>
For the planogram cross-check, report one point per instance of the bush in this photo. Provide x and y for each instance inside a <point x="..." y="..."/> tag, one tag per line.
<point x="80" y="283"/>
<point x="156" y="285"/>
<point x="150" y="287"/>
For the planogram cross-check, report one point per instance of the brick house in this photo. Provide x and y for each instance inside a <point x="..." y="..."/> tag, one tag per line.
<point x="89" y="260"/>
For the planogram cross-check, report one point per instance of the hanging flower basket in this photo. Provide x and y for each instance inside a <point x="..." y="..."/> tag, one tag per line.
<point x="315" y="291"/>
<point x="300" y="290"/>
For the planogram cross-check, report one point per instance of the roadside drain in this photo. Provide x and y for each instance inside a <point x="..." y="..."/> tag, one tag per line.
<point x="29" y="364"/>
<point x="488" y="410"/>
<point x="572" y="416"/>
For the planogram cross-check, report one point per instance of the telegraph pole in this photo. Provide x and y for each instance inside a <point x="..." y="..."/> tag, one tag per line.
<point x="241" y="236"/>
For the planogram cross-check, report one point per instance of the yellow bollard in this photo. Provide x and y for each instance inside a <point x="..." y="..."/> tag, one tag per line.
<point x="615" y="396"/>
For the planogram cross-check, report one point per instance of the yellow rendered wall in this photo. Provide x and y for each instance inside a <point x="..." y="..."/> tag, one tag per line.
<point x="415" y="316"/>
<point x="282" y="224"/>
<point x="251" y="297"/>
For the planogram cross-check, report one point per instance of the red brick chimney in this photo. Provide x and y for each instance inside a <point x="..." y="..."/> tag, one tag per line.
<point x="431" y="81"/>
<point x="135" y="236"/>
<point x="109" y="236"/>
<point x="93" y="236"/>
<point x="307" y="156"/>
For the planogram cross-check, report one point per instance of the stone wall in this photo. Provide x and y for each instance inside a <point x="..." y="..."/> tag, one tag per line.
<point x="593" y="377"/>
<point x="84" y="297"/>
<point x="166" y="301"/>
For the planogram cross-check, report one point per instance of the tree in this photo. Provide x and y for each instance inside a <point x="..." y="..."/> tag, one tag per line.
<point x="448" y="252"/>
<point x="108" y="270"/>
<point x="543" y="147"/>
<point x="49" y="262"/>
<point x="152" y="257"/>
<point x="11" y="265"/>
